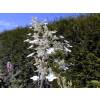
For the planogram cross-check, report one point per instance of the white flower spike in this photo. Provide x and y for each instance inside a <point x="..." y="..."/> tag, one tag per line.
<point x="46" y="43"/>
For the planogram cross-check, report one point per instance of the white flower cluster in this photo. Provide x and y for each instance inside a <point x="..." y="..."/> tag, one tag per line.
<point x="45" y="43"/>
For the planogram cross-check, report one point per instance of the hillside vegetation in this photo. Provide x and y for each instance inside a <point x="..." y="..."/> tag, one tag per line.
<point x="82" y="32"/>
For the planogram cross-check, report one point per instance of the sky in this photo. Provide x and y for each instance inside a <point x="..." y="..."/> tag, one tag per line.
<point x="10" y="21"/>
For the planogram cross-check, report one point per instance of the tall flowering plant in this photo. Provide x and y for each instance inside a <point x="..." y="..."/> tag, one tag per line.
<point x="46" y="45"/>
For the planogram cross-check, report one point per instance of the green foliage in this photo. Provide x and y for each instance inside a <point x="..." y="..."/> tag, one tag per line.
<point x="94" y="84"/>
<point x="13" y="49"/>
<point x="83" y="33"/>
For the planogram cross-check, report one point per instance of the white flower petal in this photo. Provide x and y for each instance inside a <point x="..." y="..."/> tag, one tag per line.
<point x="64" y="67"/>
<point x="50" y="50"/>
<point x="30" y="55"/>
<point x="51" y="77"/>
<point x="53" y="32"/>
<point x="34" y="41"/>
<point x="30" y="47"/>
<point x="55" y="37"/>
<point x="35" y="78"/>
<point x="29" y="34"/>
<point x="67" y="50"/>
<point x="66" y="41"/>
<point x="61" y="36"/>
<point x="69" y="45"/>
<point x="27" y="40"/>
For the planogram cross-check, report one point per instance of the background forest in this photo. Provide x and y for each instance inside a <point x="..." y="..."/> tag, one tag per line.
<point x="83" y="33"/>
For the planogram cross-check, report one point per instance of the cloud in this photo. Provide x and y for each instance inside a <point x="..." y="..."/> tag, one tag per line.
<point x="7" y="24"/>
